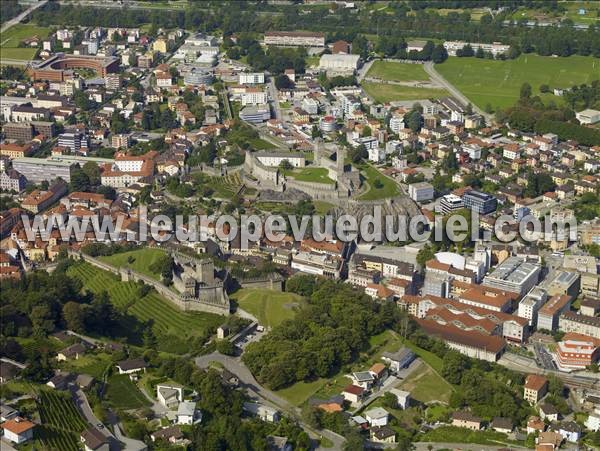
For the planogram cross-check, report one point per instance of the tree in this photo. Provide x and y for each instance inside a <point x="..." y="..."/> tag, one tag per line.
<point x="79" y="180"/>
<point x="544" y="88"/>
<point x="225" y="347"/>
<point x="390" y="400"/>
<point x="479" y="53"/>
<point x="167" y="119"/>
<point x="424" y="255"/>
<point x="315" y="132"/>
<point x="282" y="81"/>
<point x="286" y="165"/>
<point x="415" y="120"/>
<point x="74" y="316"/>
<point x="92" y="171"/>
<point x="525" y="92"/>
<point x="439" y="54"/>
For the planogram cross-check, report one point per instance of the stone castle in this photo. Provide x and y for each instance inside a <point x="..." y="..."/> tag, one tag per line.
<point x="195" y="279"/>
<point x="269" y="177"/>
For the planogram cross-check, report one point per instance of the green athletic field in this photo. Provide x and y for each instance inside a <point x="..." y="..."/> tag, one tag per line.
<point x="388" y="70"/>
<point x="498" y="82"/>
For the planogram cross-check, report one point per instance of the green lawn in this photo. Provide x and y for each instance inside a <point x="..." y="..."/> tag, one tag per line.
<point x="17" y="53"/>
<point x="93" y="364"/>
<point x="388" y="188"/>
<point x="300" y="392"/>
<point x="425" y="385"/>
<point x="383" y="92"/>
<point x="270" y="307"/>
<point x="455" y="434"/>
<point x="15" y="34"/>
<point x="317" y="175"/>
<point x="388" y="70"/>
<point x="322" y="207"/>
<point x="142" y="260"/>
<point x="122" y="393"/>
<point x="499" y="82"/>
<point x="260" y="144"/>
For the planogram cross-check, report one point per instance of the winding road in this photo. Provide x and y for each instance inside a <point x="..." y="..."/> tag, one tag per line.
<point x="250" y="383"/>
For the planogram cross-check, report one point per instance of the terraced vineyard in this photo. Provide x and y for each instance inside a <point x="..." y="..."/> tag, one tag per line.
<point x="61" y="421"/>
<point x="227" y="186"/>
<point x="167" y="320"/>
<point x="121" y="293"/>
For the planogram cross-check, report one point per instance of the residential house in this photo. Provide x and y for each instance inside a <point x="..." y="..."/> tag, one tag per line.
<point x="502" y="424"/>
<point x="466" y="420"/>
<point x="399" y="359"/>
<point x="535" y="425"/>
<point x="72" y="352"/>
<point x="362" y="379"/>
<point x="402" y="397"/>
<point x="353" y="394"/>
<point x="187" y="413"/>
<point x="18" y="430"/>
<point x="535" y="388"/>
<point x="94" y="440"/>
<point x="383" y="434"/>
<point x="548" y="412"/>
<point x="570" y="430"/>
<point x="58" y="382"/>
<point x="263" y="412"/>
<point x="132" y="366"/>
<point x="377" y="416"/>
<point x="169" y="395"/>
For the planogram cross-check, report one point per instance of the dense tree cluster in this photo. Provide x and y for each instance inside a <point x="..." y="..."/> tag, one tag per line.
<point x="223" y="424"/>
<point x="322" y="338"/>
<point x="400" y="19"/>
<point x="9" y="9"/>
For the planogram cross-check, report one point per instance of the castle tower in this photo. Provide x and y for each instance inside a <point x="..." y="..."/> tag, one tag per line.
<point x="205" y="271"/>
<point x="318" y="151"/>
<point x="340" y="158"/>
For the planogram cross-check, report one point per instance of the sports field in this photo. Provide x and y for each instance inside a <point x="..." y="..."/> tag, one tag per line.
<point x="391" y="71"/>
<point x="270" y="307"/>
<point x="10" y="39"/>
<point x="383" y="92"/>
<point x="498" y="83"/>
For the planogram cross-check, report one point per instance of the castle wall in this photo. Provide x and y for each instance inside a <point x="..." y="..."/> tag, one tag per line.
<point x="211" y="299"/>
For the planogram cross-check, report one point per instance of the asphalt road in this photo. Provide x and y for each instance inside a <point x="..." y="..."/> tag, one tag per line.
<point x="15" y="20"/>
<point x="250" y="383"/>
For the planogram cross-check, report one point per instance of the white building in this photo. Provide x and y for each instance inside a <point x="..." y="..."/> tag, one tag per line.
<point x="403" y="397"/>
<point x="588" y="116"/>
<point x="531" y="303"/>
<point x="376" y="154"/>
<point x="377" y="416"/>
<point x="254" y="96"/>
<point x="593" y="421"/>
<point x="252" y="78"/>
<point x="274" y="159"/>
<point x="495" y="48"/>
<point x="420" y="192"/>
<point x="18" y="430"/>
<point x="339" y="63"/>
<point x="188" y="414"/>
